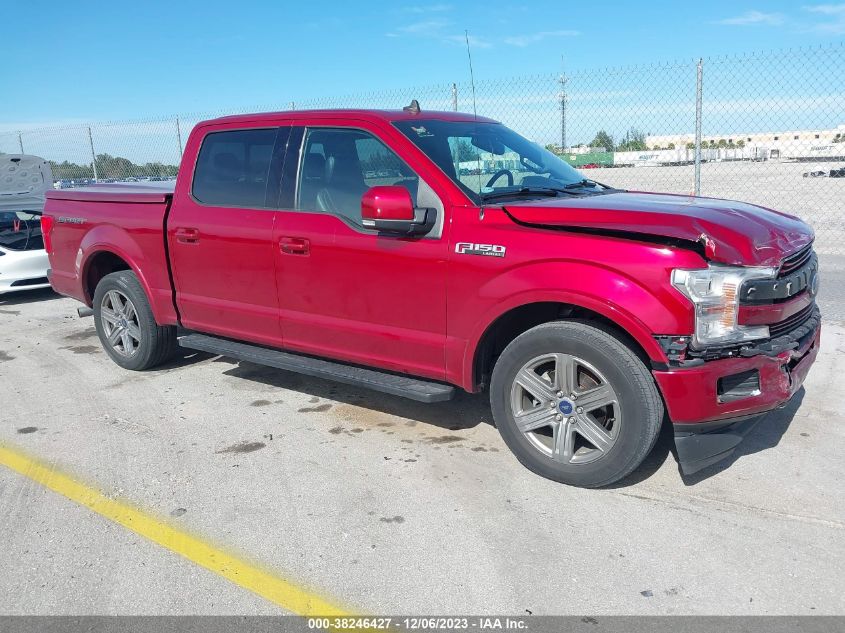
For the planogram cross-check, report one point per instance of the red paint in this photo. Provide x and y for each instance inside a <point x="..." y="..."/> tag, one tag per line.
<point x="691" y="394"/>
<point x="773" y="313"/>
<point x="311" y="282"/>
<point x="387" y="203"/>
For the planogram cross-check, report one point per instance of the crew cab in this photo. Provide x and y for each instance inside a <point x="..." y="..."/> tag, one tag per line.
<point x="416" y="253"/>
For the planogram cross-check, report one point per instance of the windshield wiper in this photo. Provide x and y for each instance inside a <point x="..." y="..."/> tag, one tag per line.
<point x="586" y="182"/>
<point x="551" y="192"/>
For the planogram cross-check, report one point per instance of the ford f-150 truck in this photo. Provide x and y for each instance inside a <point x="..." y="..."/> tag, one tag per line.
<point x="414" y="252"/>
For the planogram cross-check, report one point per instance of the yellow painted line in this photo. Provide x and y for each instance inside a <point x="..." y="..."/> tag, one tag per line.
<point x="283" y="593"/>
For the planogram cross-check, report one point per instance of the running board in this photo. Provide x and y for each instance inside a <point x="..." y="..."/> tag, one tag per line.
<point x="404" y="386"/>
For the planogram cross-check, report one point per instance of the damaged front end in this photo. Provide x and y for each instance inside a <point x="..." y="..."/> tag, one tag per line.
<point x="716" y="391"/>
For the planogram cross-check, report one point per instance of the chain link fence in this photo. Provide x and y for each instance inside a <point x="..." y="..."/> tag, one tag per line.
<point x="763" y="128"/>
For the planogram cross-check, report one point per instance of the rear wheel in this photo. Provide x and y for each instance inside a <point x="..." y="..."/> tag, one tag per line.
<point x="575" y="404"/>
<point x="125" y="323"/>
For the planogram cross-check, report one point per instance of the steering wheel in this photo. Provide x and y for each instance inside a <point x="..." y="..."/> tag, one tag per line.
<point x="499" y="174"/>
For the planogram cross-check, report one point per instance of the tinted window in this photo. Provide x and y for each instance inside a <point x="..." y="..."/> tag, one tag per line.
<point x="339" y="165"/>
<point x="232" y="168"/>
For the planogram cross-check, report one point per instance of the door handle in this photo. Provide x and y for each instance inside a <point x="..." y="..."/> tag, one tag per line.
<point x="187" y="236"/>
<point x="294" y="245"/>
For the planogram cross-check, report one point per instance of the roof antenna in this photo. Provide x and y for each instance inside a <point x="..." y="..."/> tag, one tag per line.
<point x="471" y="76"/>
<point x="414" y="108"/>
<point x="475" y="114"/>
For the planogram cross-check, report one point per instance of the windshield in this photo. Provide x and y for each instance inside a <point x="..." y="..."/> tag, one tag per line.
<point x="488" y="160"/>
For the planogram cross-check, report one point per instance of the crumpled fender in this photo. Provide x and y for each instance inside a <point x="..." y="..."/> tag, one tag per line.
<point x="631" y="304"/>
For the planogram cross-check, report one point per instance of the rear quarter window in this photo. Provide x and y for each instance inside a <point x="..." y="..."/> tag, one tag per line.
<point x="233" y="167"/>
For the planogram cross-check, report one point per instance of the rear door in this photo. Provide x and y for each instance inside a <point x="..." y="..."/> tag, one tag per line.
<point x="220" y="231"/>
<point x="344" y="290"/>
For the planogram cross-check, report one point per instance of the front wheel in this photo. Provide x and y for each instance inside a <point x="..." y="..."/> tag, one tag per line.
<point x="575" y="404"/>
<point x="126" y="326"/>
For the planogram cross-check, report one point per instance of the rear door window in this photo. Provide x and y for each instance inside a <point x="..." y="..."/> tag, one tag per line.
<point x="233" y="168"/>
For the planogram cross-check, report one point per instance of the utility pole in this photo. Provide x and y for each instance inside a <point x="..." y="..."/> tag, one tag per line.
<point x="562" y="113"/>
<point x="179" y="137"/>
<point x="291" y="106"/>
<point x="455" y="97"/>
<point x="699" y="76"/>
<point x="20" y="142"/>
<point x="93" y="156"/>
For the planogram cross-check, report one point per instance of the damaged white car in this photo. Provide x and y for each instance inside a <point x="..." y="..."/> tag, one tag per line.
<point x="23" y="261"/>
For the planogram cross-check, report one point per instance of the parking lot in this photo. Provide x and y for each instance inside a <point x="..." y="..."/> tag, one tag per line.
<point x="382" y="505"/>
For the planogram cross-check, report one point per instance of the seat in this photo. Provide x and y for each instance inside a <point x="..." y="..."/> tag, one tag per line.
<point x="343" y="189"/>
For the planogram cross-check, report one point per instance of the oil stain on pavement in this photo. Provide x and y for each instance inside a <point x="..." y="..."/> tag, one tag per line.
<point x="243" y="447"/>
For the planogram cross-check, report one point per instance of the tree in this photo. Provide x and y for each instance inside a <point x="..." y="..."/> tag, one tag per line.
<point x="603" y="139"/>
<point x="740" y="144"/>
<point x="690" y="145"/>
<point x="722" y="143"/>
<point x="670" y="146"/>
<point x="464" y="151"/>
<point x="633" y="141"/>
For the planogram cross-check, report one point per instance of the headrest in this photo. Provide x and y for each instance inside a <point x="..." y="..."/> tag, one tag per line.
<point x="314" y="166"/>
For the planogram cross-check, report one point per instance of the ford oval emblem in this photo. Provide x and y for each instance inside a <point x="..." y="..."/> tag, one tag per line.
<point x="565" y="407"/>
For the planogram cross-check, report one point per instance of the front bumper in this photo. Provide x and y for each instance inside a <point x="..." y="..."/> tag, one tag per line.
<point x="708" y="426"/>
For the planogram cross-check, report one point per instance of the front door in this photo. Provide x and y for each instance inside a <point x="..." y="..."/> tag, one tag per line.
<point x="220" y="235"/>
<point x="345" y="291"/>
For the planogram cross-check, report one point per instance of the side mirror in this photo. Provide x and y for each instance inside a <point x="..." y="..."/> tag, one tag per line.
<point x="390" y="209"/>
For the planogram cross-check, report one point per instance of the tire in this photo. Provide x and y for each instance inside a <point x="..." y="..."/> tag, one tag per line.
<point x="592" y="440"/>
<point x="122" y="311"/>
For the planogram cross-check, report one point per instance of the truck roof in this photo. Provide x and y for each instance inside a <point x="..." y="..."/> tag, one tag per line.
<point x="369" y="115"/>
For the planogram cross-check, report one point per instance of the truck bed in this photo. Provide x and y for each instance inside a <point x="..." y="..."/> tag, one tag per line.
<point x="117" y="192"/>
<point x="95" y="229"/>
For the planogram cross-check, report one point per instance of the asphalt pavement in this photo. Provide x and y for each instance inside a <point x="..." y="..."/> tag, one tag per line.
<point x="384" y="505"/>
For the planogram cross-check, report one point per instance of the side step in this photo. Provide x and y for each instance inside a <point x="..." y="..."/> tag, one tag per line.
<point x="413" y="388"/>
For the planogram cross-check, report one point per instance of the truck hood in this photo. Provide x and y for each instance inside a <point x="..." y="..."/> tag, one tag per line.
<point x="24" y="179"/>
<point x="730" y="232"/>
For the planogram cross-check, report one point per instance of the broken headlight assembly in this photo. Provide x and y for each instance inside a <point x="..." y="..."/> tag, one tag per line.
<point x="714" y="292"/>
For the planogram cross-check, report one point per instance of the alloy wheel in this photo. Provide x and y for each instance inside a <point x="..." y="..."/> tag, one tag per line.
<point x="565" y="408"/>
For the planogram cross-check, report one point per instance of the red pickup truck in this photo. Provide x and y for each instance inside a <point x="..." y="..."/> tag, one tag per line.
<point x="413" y="252"/>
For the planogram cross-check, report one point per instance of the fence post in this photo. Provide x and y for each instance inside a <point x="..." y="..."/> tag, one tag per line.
<point x="562" y="112"/>
<point x="20" y="142"/>
<point x="93" y="156"/>
<point x="179" y="137"/>
<point x="698" y="97"/>
<point x="455" y="97"/>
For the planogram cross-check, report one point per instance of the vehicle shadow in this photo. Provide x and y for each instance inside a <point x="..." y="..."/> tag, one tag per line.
<point x="663" y="448"/>
<point x="183" y="357"/>
<point x="464" y="411"/>
<point x="28" y="296"/>
<point x="765" y="435"/>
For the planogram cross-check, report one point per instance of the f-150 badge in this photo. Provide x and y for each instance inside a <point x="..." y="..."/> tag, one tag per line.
<point x="488" y="250"/>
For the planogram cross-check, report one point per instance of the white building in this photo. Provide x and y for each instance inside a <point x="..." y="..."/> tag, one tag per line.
<point x="828" y="143"/>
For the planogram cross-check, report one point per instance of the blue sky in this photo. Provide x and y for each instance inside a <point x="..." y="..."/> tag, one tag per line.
<point x="95" y="61"/>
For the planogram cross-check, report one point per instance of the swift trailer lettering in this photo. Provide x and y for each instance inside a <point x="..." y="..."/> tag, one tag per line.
<point x="337" y="244"/>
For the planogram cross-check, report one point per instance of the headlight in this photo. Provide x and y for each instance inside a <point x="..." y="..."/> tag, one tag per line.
<point x="714" y="292"/>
